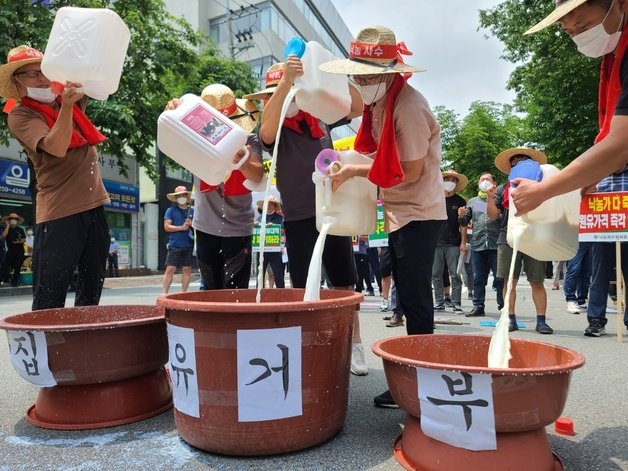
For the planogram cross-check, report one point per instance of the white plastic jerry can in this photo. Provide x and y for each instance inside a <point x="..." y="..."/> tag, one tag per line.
<point x="550" y="232"/>
<point x="201" y="139"/>
<point x="321" y="94"/>
<point x="353" y="206"/>
<point x="87" y="46"/>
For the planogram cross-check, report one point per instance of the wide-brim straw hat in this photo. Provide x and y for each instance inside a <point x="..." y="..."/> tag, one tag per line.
<point x="242" y="112"/>
<point x="273" y="76"/>
<point x="271" y="199"/>
<point x="178" y="191"/>
<point x="375" y="51"/>
<point x="563" y="7"/>
<point x="17" y="57"/>
<point x="502" y="161"/>
<point x="20" y="219"/>
<point x="463" y="181"/>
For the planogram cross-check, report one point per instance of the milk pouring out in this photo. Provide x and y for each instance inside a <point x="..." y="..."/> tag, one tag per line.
<point x="201" y="139"/>
<point x="321" y="94"/>
<point x="87" y="46"/>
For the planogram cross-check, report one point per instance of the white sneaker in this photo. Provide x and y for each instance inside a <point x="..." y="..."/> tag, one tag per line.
<point x="573" y="307"/>
<point x="358" y="366"/>
<point x="385" y="306"/>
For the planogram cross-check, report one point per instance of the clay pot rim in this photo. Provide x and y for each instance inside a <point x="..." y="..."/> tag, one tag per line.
<point x="171" y="301"/>
<point x="7" y="323"/>
<point x="577" y="361"/>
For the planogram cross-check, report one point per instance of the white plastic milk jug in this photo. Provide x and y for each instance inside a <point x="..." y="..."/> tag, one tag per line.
<point x="321" y="94"/>
<point x="201" y="139"/>
<point x="550" y="232"/>
<point x="353" y="206"/>
<point x="87" y="46"/>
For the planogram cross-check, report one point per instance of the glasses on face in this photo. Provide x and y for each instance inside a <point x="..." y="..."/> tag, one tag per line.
<point x="31" y="74"/>
<point x="367" y="79"/>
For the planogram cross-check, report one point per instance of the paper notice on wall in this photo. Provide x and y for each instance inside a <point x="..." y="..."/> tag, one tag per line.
<point x="269" y="374"/>
<point x="182" y="367"/>
<point x="457" y="408"/>
<point x="28" y="352"/>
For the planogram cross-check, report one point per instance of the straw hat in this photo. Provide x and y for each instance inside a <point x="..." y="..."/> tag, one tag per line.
<point x="16" y="58"/>
<point x="242" y="112"/>
<point x="273" y="76"/>
<point x="375" y="51"/>
<point x="180" y="190"/>
<point x="271" y="199"/>
<point x="502" y="161"/>
<point x="463" y="181"/>
<point x="20" y="219"/>
<point x="563" y="7"/>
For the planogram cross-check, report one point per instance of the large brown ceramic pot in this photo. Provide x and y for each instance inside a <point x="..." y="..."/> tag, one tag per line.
<point x="108" y="363"/>
<point x="216" y="317"/>
<point x="527" y="396"/>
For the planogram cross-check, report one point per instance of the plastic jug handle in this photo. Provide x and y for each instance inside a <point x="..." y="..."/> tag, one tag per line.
<point x="243" y="159"/>
<point x="327" y="191"/>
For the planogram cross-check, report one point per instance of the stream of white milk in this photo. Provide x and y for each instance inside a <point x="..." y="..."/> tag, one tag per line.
<point x="313" y="282"/>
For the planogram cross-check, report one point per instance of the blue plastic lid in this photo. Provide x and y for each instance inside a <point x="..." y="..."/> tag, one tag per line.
<point x="295" y="47"/>
<point x="529" y="169"/>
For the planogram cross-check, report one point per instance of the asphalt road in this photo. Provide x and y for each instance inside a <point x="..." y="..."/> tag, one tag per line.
<point x="597" y="402"/>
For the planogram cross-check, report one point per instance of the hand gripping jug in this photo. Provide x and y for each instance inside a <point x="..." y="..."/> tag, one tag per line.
<point x="201" y="139"/>
<point x="550" y="232"/>
<point x="353" y="206"/>
<point x="321" y="94"/>
<point x="87" y="46"/>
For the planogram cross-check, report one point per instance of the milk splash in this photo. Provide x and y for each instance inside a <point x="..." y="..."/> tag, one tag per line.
<point x="269" y="182"/>
<point x="499" y="348"/>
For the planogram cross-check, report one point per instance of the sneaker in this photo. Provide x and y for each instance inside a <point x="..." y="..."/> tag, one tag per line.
<point x="370" y="293"/>
<point x="358" y="366"/>
<point x="458" y="310"/>
<point x="512" y="326"/>
<point x="385" y="400"/>
<point x="439" y="307"/>
<point x="477" y="311"/>
<point x="611" y="310"/>
<point x="583" y="305"/>
<point x="395" y="321"/>
<point x="573" y="307"/>
<point x="543" y="328"/>
<point x="448" y="302"/>
<point x="595" y="329"/>
<point x="384" y="306"/>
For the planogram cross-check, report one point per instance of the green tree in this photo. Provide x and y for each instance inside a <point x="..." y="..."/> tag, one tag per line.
<point x="555" y="85"/>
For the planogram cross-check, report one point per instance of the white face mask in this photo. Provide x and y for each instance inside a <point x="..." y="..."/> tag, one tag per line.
<point x="292" y="110"/>
<point x="113" y="240"/>
<point x="182" y="200"/>
<point x="13" y="222"/>
<point x="450" y="186"/>
<point x="45" y="95"/>
<point x="485" y="185"/>
<point x="596" y="42"/>
<point x="372" y="93"/>
<point x="29" y="233"/>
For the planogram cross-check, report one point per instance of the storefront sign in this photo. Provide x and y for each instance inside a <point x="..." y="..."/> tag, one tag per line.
<point x="603" y="217"/>
<point x="123" y="197"/>
<point x="14" y="179"/>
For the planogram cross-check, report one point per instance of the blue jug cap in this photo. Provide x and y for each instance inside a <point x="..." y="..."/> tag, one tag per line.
<point x="296" y="46"/>
<point x="529" y="169"/>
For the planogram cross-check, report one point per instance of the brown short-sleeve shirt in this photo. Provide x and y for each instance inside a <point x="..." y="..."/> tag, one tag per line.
<point x="418" y="137"/>
<point x="65" y="186"/>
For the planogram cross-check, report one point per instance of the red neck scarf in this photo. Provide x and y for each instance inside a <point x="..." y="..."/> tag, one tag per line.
<point x="87" y="133"/>
<point x="386" y="170"/>
<point x="311" y="121"/>
<point x="234" y="186"/>
<point x="610" y="86"/>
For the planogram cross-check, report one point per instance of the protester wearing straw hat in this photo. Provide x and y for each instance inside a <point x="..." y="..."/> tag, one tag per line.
<point x="274" y="259"/>
<point x="224" y="215"/>
<point x="302" y="138"/>
<point x="498" y="203"/>
<point x="451" y="242"/>
<point x="14" y="237"/>
<point x="71" y="229"/>
<point x="598" y="27"/>
<point x="400" y="132"/>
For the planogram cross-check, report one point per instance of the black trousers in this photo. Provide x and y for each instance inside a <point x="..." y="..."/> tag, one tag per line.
<point x="224" y="262"/>
<point x="275" y="260"/>
<point x="12" y="265"/>
<point x="412" y="252"/>
<point x="79" y="241"/>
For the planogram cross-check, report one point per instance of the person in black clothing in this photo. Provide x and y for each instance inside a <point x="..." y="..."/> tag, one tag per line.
<point x="15" y="237"/>
<point x="452" y="241"/>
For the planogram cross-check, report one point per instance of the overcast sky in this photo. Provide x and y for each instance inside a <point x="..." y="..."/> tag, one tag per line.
<point x="462" y="66"/>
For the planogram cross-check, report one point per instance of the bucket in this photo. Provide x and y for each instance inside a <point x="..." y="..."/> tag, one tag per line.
<point x="259" y="378"/>
<point x="549" y="232"/>
<point x="321" y="94"/>
<point x="354" y="205"/>
<point x="87" y="46"/>
<point x="201" y="139"/>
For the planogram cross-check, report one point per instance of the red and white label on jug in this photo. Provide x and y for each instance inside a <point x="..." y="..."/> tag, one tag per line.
<point x="206" y="124"/>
